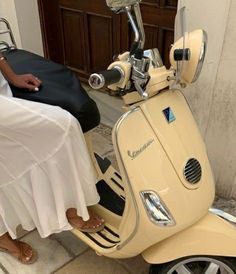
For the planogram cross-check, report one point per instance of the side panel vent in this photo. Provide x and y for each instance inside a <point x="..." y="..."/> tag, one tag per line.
<point x="193" y="171"/>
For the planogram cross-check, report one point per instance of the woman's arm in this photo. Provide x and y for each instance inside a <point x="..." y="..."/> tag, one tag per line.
<point x="27" y="81"/>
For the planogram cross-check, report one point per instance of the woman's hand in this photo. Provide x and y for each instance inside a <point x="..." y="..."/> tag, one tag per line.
<point x="25" y="81"/>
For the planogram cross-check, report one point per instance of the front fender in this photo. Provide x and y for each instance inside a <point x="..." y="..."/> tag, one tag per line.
<point x="212" y="236"/>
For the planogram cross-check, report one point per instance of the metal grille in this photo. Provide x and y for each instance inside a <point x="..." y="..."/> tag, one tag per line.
<point x="193" y="171"/>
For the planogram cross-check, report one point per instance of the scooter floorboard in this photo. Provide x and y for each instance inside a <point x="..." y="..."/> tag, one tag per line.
<point x="110" y="188"/>
<point x="111" y="207"/>
<point x="102" y="240"/>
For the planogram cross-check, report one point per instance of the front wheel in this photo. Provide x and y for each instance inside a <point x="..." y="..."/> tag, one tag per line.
<point x="196" y="265"/>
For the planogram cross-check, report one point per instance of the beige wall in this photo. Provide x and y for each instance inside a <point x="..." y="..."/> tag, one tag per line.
<point x="8" y="11"/>
<point x="213" y="97"/>
<point x="221" y="131"/>
<point x="24" y="19"/>
<point x="29" y="25"/>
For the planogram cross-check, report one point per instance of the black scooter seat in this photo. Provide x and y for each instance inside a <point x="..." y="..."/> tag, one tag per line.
<point x="60" y="87"/>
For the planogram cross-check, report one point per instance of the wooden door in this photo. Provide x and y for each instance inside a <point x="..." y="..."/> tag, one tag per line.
<point x="85" y="35"/>
<point x="159" y="18"/>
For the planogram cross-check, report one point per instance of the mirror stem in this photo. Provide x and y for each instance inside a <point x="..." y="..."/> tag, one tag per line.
<point x="133" y="25"/>
<point x="140" y="25"/>
<point x="137" y="25"/>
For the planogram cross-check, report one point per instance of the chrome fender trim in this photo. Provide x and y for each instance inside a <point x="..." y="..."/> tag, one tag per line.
<point x="226" y="216"/>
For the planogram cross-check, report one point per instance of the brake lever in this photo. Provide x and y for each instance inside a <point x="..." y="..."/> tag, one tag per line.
<point x="141" y="91"/>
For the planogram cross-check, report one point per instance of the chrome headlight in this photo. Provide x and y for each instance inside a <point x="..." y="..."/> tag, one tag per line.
<point x="156" y="209"/>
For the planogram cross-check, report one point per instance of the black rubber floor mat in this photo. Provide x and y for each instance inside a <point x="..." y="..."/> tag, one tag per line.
<point x="104" y="164"/>
<point x="109" y="199"/>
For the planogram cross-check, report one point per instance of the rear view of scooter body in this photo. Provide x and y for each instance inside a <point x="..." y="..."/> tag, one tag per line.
<point x="158" y="203"/>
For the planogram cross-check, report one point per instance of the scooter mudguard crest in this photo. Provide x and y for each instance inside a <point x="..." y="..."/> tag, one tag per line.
<point x="211" y="236"/>
<point x="153" y="148"/>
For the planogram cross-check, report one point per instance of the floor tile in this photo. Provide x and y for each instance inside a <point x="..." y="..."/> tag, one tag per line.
<point x="90" y="263"/>
<point x="104" y="147"/>
<point x="110" y="107"/>
<point x="136" y="265"/>
<point x="51" y="256"/>
<point x="227" y="205"/>
<point x="104" y="131"/>
<point x="21" y="232"/>
<point x="101" y="145"/>
<point x="70" y="242"/>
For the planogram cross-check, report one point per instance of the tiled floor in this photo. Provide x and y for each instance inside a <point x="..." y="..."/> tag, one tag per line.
<point x="110" y="107"/>
<point x="52" y="256"/>
<point x="64" y="253"/>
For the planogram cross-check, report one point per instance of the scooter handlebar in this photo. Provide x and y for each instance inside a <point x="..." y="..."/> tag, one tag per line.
<point x="105" y="78"/>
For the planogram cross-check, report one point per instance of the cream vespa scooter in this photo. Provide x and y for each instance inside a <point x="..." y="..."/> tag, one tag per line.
<point x="159" y="203"/>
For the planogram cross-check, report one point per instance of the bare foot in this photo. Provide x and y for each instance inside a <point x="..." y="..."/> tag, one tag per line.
<point x="94" y="224"/>
<point x="20" y="250"/>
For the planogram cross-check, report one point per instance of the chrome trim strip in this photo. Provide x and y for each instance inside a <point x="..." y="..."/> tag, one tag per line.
<point x="228" y="217"/>
<point x="201" y="57"/>
<point x="133" y="233"/>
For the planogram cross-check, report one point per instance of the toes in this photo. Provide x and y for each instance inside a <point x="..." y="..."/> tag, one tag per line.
<point x="94" y="222"/>
<point x="97" y="218"/>
<point x="27" y="259"/>
<point x="27" y="251"/>
<point x="91" y="223"/>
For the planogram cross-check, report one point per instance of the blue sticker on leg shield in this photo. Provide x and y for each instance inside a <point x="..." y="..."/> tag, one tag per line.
<point x="170" y="117"/>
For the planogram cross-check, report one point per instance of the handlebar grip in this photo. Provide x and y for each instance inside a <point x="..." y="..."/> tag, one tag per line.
<point x="105" y="78"/>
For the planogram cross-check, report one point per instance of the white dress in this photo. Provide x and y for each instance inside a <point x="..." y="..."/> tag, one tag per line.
<point x="45" y="167"/>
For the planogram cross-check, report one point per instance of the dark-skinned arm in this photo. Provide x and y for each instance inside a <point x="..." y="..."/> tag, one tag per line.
<point x="24" y="81"/>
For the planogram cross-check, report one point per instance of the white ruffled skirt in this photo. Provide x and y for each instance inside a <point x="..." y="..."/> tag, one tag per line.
<point x="45" y="168"/>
